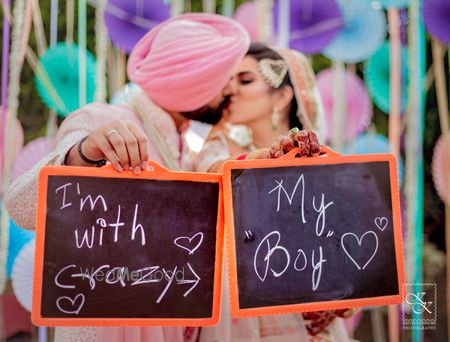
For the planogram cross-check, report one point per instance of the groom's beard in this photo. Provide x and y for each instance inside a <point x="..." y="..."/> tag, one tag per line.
<point x="208" y="114"/>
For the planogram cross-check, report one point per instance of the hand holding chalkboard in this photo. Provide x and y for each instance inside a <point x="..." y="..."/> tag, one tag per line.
<point x="313" y="234"/>
<point x="115" y="248"/>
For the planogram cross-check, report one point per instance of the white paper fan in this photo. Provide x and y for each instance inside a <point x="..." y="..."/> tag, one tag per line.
<point x="22" y="275"/>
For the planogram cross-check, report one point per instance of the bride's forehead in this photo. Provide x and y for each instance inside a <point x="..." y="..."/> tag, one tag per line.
<point x="248" y="63"/>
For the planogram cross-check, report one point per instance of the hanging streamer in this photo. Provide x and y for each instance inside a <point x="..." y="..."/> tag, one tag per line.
<point x="339" y="105"/>
<point x="209" y="6"/>
<point x="4" y="229"/>
<point x="441" y="93"/>
<point x="54" y="22"/>
<point x="101" y="45"/>
<point x="26" y="31"/>
<point x="265" y="22"/>
<point x="176" y="7"/>
<point x="82" y="52"/>
<point x="52" y="124"/>
<point x="228" y="8"/>
<point x="283" y="23"/>
<point x="414" y="156"/>
<point x="70" y="20"/>
<point x="39" y="29"/>
<point x="121" y="69"/>
<point x="395" y="80"/>
<point x="394" y="126"/>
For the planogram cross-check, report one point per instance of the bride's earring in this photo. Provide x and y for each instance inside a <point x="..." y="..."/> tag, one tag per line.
<point x="275" y="117"/>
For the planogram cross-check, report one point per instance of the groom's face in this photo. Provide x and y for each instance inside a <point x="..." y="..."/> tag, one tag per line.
<point x="210" y="113"/>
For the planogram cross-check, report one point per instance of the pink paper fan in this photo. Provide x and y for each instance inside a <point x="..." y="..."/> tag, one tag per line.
<point x="247" y="15"/>
<point x="441" y="168"/>
<point x="31" y="154"/>
<point x="359" y="109"/>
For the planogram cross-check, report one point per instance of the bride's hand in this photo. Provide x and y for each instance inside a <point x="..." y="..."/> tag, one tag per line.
<point x="306" y="141"/>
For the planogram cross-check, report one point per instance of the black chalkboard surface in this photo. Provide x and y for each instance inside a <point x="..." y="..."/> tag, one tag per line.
<point x="114" y="248"/>
<point x="312" y="234"/>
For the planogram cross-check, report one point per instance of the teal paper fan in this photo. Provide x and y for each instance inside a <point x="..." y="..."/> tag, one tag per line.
<point x="61" y="65"/>
<point x="377" y="77"/>
<point x="18" y="237"/>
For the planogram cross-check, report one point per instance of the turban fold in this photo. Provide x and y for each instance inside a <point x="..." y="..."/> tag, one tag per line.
<point x="186" y="61"/>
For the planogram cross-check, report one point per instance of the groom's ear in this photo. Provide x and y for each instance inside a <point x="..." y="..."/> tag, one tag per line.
<point x="283" y="97"/>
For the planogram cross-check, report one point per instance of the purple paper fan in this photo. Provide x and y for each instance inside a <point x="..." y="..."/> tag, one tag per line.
<point x="436" y="15"/>
<point x="313" y="24"/>
<point x="128" y="21"/>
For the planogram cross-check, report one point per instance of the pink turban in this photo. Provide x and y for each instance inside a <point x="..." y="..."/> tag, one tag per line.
<point x="186" y="61"/>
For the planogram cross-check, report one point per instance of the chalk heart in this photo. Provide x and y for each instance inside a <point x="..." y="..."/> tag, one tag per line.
<point x="69" y="305"/>
<point x="189" y="244"/>
<point x="354" y="247"/>
<point x="381" y="223"/>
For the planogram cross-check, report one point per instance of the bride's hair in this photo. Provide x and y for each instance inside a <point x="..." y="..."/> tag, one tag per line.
<point x="260" y="51"/>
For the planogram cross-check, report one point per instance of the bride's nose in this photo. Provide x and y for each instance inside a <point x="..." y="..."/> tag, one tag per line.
<point x="231" y="87"/>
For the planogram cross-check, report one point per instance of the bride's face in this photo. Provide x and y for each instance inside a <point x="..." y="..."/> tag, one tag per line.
<point x="251" y="97"/>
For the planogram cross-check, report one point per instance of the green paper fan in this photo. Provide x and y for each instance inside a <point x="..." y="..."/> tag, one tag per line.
<point x="377" y="77"/>
<point x="60" y="63"/>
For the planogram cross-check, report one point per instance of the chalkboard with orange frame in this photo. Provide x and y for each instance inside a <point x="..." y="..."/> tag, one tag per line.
<point x="308" y="234"/>
<point x="119" y="249"/>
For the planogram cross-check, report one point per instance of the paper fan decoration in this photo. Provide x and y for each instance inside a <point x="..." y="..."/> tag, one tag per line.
<point x="61" y="64"/>
<point x="363" y="32"/>
<point x="441" y="168"/>
<point x="18" y="237"/>
<point x="123" y="93"/>
<point x="16" y="145"/>
<point x="129" y="20"/>
<point x="358" y="109"/>
<point x="436" y="15"/>
<point x="247" y="15"/>
<point x="377" y="77"/>
<point x="31" y="154"/>
<point x="393" y="3"/>
<point x="371" y="143"/>
<point x="22" y="275"/>
<point x="313" y="24"/>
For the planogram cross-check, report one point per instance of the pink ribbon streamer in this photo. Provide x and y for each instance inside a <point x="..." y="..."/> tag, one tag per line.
<point x="4" y="80"/>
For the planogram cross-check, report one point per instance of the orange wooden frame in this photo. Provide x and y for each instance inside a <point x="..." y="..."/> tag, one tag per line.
<point x="158" y="173"/>
<point x="289" y="160"/>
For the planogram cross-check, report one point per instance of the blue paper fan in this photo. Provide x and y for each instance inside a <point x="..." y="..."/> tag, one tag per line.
<point x="363" y="32"/>
<point x="377" y="77"/>
<point x="61" y="64"/>
<point x="18" y="237"/>
<point x="371" y="143"/>
<point x="393" y="3"/>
